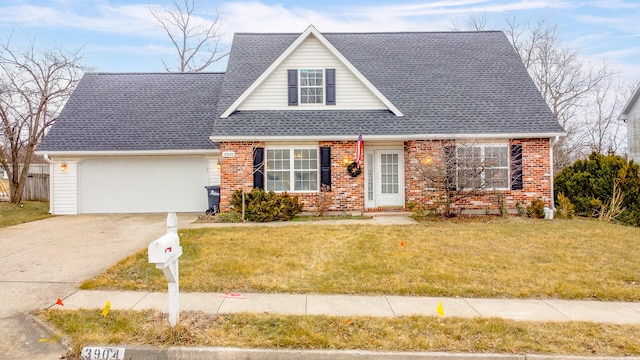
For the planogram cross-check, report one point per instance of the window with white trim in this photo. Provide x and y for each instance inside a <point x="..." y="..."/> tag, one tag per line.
<point x="292" y="169"/>
<point x="483" y="166"/>
<point x="311" y="86"/>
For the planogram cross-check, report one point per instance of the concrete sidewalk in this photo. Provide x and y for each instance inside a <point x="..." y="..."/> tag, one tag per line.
<point x="347" y="305"/>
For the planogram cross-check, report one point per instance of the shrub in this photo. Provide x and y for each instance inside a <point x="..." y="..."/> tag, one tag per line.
<point x="565" y="209"/>
<point x="324" y="199"/>
<point x="536" y="209"/>
<point x="521" y="209"/>
<point x="589" y="184"/>
<point x="263" y="206"/>
<point x="502" y="204"/>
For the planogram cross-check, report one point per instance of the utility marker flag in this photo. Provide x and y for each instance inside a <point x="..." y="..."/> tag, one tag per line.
<point x="440" y="309"/>
<point x="105" y="310"/>
<point x="59" y="302"/>
<point x="359" y="150"/>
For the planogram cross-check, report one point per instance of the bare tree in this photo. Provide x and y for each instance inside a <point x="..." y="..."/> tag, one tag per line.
<point x="474" y="22"/>
<point x="34" y="85"/>
<point x="567" y="83"/>
<point x="564" y="80"/>
<point x="603" y="131"/>
<point x="196" y="40"/>
<point x="452" y="171"/>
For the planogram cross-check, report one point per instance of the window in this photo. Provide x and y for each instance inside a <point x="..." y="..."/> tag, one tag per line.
<point x="290" y="169"/>
<point x="483" y="166"/>
<point x="311" y="86"/>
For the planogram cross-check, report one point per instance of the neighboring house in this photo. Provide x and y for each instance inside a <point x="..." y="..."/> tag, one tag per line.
<point x="631" y="115"/>
<point x="286" y="116"/>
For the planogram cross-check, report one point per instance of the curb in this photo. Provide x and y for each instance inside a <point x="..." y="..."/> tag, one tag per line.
<point x="211" y="353"/>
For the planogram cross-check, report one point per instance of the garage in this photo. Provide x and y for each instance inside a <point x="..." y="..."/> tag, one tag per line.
<point x="142" y="184"/>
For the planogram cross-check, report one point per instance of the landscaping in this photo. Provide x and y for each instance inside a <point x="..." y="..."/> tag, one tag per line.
<point x="12" y="214"/>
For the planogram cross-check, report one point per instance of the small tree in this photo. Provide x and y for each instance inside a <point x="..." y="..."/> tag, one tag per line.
<point x="195" y="40"/>
<point x="34" y="86"/>
<point x="452" y="171"/>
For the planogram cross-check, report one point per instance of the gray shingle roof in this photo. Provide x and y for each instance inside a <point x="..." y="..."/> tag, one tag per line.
<point x="444" y="83"/>
<point x="137" y="112"/>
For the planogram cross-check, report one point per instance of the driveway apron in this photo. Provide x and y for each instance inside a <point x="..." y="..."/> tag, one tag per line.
<point x="45" y="260"/>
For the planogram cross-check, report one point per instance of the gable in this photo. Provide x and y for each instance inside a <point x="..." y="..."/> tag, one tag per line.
<point x="351" y="93"/>
<point x="250" y="62"/>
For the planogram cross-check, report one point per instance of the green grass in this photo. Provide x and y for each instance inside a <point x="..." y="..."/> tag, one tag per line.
<point x="11" y="214"/>
<point x="487" y="258"/>
<point x="88" y="327"/>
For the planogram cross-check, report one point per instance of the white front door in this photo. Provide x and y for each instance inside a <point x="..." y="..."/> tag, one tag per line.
<point x="384" y="178"/>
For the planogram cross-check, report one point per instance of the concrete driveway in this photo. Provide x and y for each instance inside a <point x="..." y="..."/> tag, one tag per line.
<point x="47" y="259"/>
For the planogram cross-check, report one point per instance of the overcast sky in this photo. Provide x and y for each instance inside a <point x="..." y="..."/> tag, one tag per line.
<point x="122" y="36"/>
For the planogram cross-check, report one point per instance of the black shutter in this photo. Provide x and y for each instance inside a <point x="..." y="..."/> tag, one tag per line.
<point x="331" y="86"/>
<point x="450" y="167"/>
<point x="258" y="168"/>
<point x="516" y="167"/>
<point x="325" y="167"/>
<point x="293" y="87"/>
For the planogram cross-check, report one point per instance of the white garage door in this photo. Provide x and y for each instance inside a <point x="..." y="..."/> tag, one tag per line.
<point x="142" y="184"/>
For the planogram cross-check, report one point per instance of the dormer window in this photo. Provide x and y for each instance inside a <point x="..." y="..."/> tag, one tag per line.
<point x="311" y="86"/>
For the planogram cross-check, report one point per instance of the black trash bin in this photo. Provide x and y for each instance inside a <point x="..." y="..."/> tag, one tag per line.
<point x="213" y="194"/>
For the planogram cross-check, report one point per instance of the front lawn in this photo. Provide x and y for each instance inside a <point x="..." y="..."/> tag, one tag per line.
<point x="11" y="214"/>
<point x="486" y="258"/>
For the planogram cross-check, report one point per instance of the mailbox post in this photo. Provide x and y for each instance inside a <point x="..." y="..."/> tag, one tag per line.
<point x="164" y="252"/>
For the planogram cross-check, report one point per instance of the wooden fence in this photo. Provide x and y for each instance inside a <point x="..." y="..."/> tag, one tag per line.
<point x="36" y="188"/>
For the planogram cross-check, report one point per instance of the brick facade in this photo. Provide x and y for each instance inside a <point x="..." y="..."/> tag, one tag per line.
<point x="236" y="172"/>
<point x="421" y="154"/>
<point x="348" y="192"/>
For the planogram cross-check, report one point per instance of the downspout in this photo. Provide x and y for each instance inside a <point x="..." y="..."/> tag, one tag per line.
<point x="553" y="141"/>
<point x="51" y="180"/>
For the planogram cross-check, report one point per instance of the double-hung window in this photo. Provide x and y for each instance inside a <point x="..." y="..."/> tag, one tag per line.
<point x="292" y="169"/>
<point x="485" y="166"/>
<point x="311" y="86"/>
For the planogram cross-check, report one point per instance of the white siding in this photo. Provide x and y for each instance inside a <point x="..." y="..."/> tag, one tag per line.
<point x="214" y="170"/>
<point x="64" y="187"/>
<point x="634" y="132"/>
<point x="350" y="92"/>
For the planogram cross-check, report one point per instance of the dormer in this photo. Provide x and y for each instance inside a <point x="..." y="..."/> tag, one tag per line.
<point x="311" y="74"/>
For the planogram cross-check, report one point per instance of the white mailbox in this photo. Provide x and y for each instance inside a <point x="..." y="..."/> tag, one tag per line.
<point x="165" y="250"/>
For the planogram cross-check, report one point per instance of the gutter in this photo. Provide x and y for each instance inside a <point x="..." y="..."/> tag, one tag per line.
<point x="387" y="137"/>
<point x="129" y="153"/>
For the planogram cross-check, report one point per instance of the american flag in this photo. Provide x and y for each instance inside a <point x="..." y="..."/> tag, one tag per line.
<point x="359" y="150"/>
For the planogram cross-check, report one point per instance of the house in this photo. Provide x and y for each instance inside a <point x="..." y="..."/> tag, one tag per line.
<point x="287" y="114"/>
<point x="631" y="115"/>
